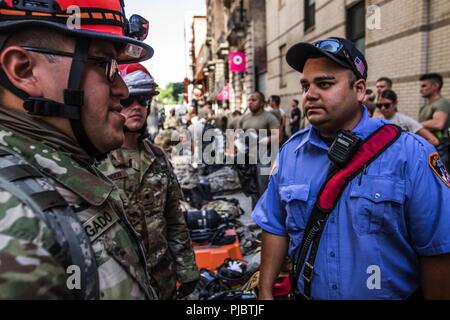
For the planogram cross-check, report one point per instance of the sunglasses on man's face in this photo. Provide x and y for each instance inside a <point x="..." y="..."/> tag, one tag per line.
<point x="143" y="100"/>
<point x="109" y="65"/>
<point x="383" y="105"/>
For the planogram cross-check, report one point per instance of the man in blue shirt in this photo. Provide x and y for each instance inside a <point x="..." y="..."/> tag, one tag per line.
<point x="389" y="233"/>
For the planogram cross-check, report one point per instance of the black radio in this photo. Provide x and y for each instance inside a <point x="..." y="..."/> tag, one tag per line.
<point x="343" y="148"/>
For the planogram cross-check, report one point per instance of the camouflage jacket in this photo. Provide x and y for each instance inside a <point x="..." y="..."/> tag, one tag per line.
<point x="29" y="268"/>
<point x="152" y="203"/>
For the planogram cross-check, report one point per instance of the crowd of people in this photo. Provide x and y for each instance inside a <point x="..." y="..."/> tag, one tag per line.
<point x="432" y="121"/>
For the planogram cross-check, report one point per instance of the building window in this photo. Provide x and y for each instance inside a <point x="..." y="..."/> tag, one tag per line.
<point x="283" y="66"/>
<point x="310" y="14"/>
<point x="356" y="25"/>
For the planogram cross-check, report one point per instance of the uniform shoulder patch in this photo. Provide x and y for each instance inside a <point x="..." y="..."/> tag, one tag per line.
<point x="436" y="164"/>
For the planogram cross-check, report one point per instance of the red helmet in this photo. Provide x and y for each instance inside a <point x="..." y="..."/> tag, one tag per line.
<point x="99" y="19"/>
<point x="138" y="79"/>
<point x="85" y="20"/>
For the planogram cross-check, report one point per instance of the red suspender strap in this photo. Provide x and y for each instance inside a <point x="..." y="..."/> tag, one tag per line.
<point x="369" y="151"/>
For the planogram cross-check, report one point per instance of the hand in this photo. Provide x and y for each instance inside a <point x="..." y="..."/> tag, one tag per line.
<point x="187" y="288"/>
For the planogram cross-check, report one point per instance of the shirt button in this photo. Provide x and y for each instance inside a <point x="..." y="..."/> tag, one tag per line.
<point x="332" y="254"/>
<point x="377" y="196"/>
<point x="334" y="287"/>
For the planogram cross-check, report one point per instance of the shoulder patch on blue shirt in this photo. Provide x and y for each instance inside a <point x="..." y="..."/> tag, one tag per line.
<point x="438" y="167"/>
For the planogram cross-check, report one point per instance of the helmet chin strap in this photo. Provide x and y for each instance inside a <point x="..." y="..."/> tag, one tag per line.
<point x="74" y="96"/>
<point x="73" y="99"/>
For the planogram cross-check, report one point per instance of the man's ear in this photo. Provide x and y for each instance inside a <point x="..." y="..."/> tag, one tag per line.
<point x="360" y="88"/>
<point x="18" y="65"/>
<point x="435" y="86"/>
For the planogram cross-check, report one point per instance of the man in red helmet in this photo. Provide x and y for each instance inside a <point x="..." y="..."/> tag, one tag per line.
<point x="63" y="231"/>
<point x="143" y="172"/>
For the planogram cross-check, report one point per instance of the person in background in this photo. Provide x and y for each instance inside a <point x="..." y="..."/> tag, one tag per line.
<point x="383" y="83"/>
<point x="234" y="120"/>
<point x="259" y="119"/>
<point x="369" y="101"/>
<point x="280" y="114"/>
<point x="206" y="112"/>
<point x="221" y="117"/>
<point x="434" y="115"/>
<point x="172" y="121"/>
<point x="296" y="116"/>
<point x="191" y="116"/>
<point x="275" y="109"/>
<point x="144" y="174"/>
<point x="387" y="105"/>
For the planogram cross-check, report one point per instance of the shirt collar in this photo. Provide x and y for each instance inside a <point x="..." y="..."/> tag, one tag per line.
<point x="61" y="167"/>
<point x="365" y="127"/>
<point x="120" y="158"/>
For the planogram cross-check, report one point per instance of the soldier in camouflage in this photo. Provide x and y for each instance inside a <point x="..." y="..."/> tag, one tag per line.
<point x="60" y="132"/>
<point x="151" y="192"/>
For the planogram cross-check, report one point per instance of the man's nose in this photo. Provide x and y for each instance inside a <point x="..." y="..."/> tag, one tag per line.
<point x="311" y="94"/>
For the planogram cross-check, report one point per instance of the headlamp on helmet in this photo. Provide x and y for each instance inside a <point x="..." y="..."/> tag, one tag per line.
<point x="138" y="27"/>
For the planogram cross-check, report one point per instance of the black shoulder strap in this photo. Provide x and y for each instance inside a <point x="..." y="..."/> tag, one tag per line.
<point x="329" y="195"/>
<point x="73" y="246"/>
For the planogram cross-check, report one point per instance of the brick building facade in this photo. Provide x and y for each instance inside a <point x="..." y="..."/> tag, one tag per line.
<point x="232" y="25"/>
<point x="402" y="39"/>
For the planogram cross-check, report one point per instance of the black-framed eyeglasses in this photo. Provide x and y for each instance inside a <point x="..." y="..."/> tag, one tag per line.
<point x="336" y="47"/>
<point x="383" y="105"/>
<point x="110" y="65"/>
<point x="142" y="99"/>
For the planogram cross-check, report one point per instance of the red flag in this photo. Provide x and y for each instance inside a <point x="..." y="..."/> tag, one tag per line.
<point x="224" y="94"/>
<point x="237" y="62"/>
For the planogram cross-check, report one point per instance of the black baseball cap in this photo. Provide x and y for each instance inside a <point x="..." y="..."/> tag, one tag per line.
<point x="341" y="51"/>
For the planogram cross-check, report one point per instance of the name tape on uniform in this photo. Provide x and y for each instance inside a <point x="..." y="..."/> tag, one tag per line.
<point x="99" y="223"/>
<point x="118" y="175"/>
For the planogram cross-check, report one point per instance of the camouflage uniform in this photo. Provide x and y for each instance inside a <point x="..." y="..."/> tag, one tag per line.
<point x="172" y="122"/>
<point x="28" y="261"/>
<point x="152" y="203"/>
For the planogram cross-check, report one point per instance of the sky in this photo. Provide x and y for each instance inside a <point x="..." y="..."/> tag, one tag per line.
<point x="166" y="35"/>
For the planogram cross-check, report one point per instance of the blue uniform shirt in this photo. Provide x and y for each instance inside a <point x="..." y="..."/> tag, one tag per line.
<point x="386" y="218"/>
